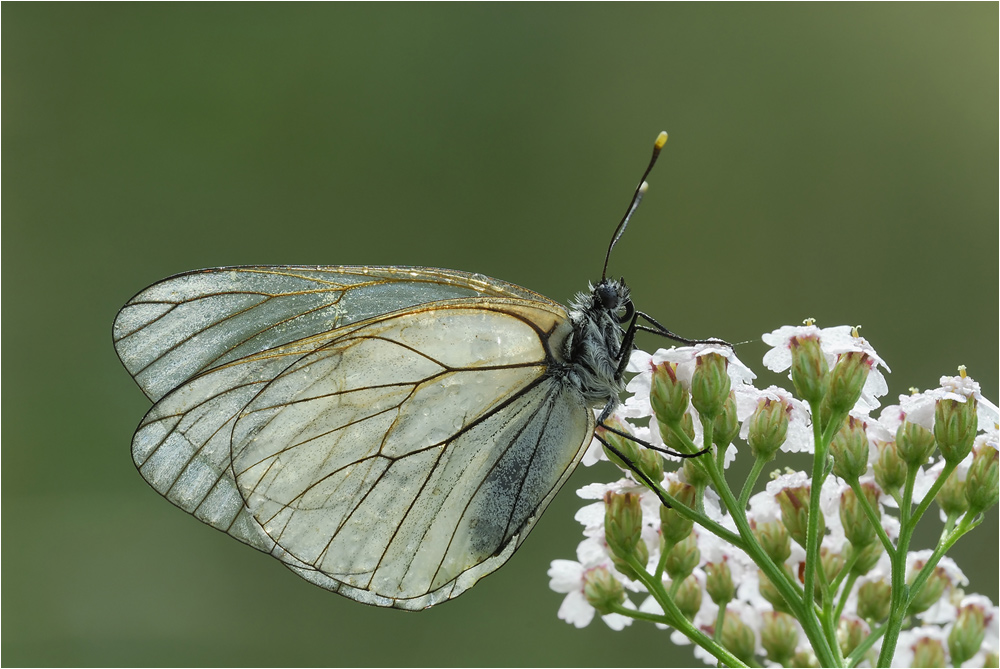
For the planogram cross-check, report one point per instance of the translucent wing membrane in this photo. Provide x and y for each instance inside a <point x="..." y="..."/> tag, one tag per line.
<point x="194" y="322"/>
<point x="395" y="460"/>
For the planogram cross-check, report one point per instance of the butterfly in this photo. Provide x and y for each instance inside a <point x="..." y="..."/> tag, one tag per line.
<point x="391" y="434"/>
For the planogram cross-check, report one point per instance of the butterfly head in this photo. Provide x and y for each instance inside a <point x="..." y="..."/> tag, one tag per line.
<point x="612" y="296"/>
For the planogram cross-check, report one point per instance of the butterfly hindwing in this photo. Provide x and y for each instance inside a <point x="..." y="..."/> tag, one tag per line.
<point x="395" y="460"/>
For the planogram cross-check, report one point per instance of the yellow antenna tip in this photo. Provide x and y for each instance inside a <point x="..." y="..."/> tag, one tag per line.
<point x="643" y="187"/>
<point x="661" y="139"/>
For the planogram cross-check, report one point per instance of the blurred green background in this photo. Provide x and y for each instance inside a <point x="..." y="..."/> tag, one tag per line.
<point x="828" y="161"/>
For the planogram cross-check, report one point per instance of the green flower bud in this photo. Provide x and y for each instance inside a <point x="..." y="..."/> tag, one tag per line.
<point x="719" y="582"/>
<point x="967" y="634"/>
<point x="780" y="636"/>
<point x="804" y="658"/>
<point x="857" y="527"/>
<point x="981" y="481"/>
<point x="951" y="496"/>
<point x="890" y="470"/>
<point x="602" y="590"/>
<point x="771" y="593"/>
<point x="867" y="557"/>
<point x="623" y="529"/>
<point x="710" y="385"/>
<point x="682" y="558"/>
<point x="666" y="394"/>
<point x="810" y="372"/>
<point x="847" y="379"/>
<point x="625" y="446"/>
<point x="674" y="441"/>
<point x="874" y="598"/>
<point x="932" y="590"/>
<point x="914" y="443"/>
<point x="992" y="659"/>
<point x="849" y="449"/>
<point x="773" y="538"/>
<point x="695" y="472"/>
<point x="737" y="637"/>
<point x="831" y="563"/>
<point x="928" y="652"/>
<point x="726" y="426"/>
<point x="651" y="464"/>
<point x="768" y="428"/>
<point x="794" y="503"/>
<point x="955" y="426"/>
<point x="688" y="597"/>
<point x="850" y="633"/>
<point x="675" y="526"/>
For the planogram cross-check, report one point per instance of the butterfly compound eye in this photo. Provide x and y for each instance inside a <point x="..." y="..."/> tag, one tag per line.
<point x="608" y="295"/>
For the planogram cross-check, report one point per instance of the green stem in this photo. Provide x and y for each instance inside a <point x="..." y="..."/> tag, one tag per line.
<point x="812" y="528"/>
<point x="858" y="653"/>
<point x="720" y="619"/>
<point x="949" y="467"/>
<point x="758" y="467"/>
<point x="845" y="594"/>
<point x="682" y="624"/>
<point x="873" y="517"/>
<point x="801" y="609"/>
<point x="965" y="526"/>
<point x="900" y="593"/>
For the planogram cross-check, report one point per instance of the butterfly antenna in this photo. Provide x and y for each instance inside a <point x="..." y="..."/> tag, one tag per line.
<point x="661" y="139"/>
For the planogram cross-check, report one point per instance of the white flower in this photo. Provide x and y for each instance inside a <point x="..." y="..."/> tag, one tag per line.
<point x="908" y="639"/>
<point x="567" y="576"/>
<point x="799" y="438"/>
<point x="833" y="342"/>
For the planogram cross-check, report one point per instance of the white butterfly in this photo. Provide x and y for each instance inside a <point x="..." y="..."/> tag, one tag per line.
<point x="389" y="433"/>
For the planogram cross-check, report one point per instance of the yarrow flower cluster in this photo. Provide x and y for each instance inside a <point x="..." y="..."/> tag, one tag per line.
<point x="816" y="569"/>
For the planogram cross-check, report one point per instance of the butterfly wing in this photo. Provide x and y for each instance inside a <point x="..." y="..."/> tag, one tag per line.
<point x="200" y="320"/>
<point x="395" y="460"/>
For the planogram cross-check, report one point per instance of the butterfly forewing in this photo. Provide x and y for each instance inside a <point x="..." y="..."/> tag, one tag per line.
<point x="199" y="320"/>
<point x="395" y="459"/>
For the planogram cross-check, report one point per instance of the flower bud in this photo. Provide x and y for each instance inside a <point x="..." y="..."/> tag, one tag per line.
<point x="850" y="633"/>
<point x="623" y="445"/>
<point x="928" y="652"/>
<point x="951" y="496"/>
<point x="667" y="395"/>
<point x="955" y="426"/>
<point x="810" y="372"/>
<point x="967" y="634"/>
<point x="981" y="481"/>
<point x="867" y="557"/>
<point x="651" y="464"/>
<point x="890" y="470"/>
<point x="831" y="563"/>
<point x="874" y="598"/>
<point x="857" y="527"/>
<point x="804" y="658"/>
<point x="769" y="592"/>
<point x="794" y="503"/>
<point x="737" y="637"/>
<point x="602" y="590"/>
<point x="768" y="428"/>
<point x="695" y="472"/>
<point x="849" y="449"/>
<point x="931" y="592"/>
<point x="674" y="441"/>
<point x="682" y="558"/>
<point x="623" y="529"/>
<point x="675" y="526"/>
<point x="774" y="539"/>
<point x="914" y="443"/>
<point x="847" y="379"/>
<point x="710" y="385"/>
<point x="719" y="582"/>
<point x="726" y="426"/>
<point x="688" y="597"/>
<point x="779" y="636"/>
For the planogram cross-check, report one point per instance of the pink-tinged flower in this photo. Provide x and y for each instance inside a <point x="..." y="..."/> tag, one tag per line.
<point x="834" y="341"/>
<point x="799" y="438"/>
<point x="919" y="647"/>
